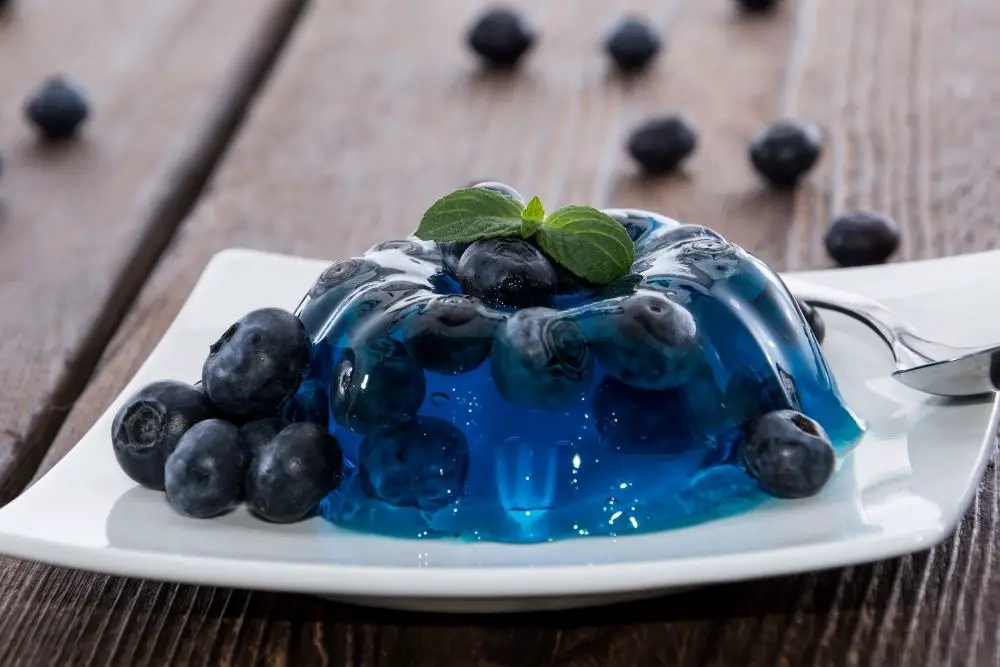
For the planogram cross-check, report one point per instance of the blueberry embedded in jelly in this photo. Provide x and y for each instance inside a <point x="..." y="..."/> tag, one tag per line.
<point x="293" y="472"/>
<point x="501" y="37"/>
<point x="503" y="189"/>
<point x="660" y="145"/>
<point x="257" y="364"/>
<point x="785" y="151"/>
<point x="449" y="334"/>
<point x="451" y="254"/>
<point x="642" y="421"/>
<point x="423" y="464"/>
<point x="507" y="273"/>
<point x="751" y="393"/>
<point x="377" y="386"/>
<point x="57" y="109"/>
<point x="310" y="404"/>
<point x="651" y="342"/>
<point x="637" y="226"/>
<point x="680" y="235"/>
<point x="861" y="238"/>
<point x="345" y="275"/>
<point x="147" y="428"/>
<point x="541" y="360"/>
<point x="204" y="474"/>
<point x="788" y="454"/>
<point x="259" y="432"/>
<point x="815" y="320"/>
<point x="420" y="249"/>
<point x="633" y="43"/>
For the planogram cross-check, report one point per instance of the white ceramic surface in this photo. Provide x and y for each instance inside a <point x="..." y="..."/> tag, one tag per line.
<point x="902" y="490"/>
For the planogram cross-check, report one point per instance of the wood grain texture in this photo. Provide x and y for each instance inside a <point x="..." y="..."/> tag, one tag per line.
<point x="363" y="125"/>
<point x="82" y="223"/>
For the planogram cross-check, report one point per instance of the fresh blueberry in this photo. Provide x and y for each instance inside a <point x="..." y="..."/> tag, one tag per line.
<point x="377" y="386"/>
<point x="259" y="432"/>
<point x="293" y="472"/>
<point x="507" y="273"/>
<point x="424" y="464"/>
<point x="640" y="420"/>
<point x="451" y="254"/>
<point x="633" y="43"/>
<point x="788" y="454"/>
<point x="149" y="426"/>
<point x="205" y="473"/>
<point x="751" y="393"/>
<point x="449" y="334"/>
<point x="861" y="238"/>
<point x="661" y="144"/>
<point x="783" y="152"/>
<point x="541" y="360"/>
<point x="501" y="37"/>
<point x="815" y="320"/>
<point x="754" y="6"/>
<point x="637" y="226"/>
<point x="257" y="364"/>
<point x="57" y="109"/>
<point x="413" y="248"/>
<point x="651" y="342"/>
<point x="503" y="189"/>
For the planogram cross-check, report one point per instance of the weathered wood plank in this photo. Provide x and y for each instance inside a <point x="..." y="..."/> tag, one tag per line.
<point x="338" y="156"/>
<point x="82" y="224"/>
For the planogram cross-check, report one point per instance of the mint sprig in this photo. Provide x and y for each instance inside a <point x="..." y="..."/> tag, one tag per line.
<point x="587" y="242"/>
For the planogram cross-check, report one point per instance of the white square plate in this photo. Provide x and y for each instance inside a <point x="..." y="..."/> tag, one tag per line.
<point x="903" y="489"/>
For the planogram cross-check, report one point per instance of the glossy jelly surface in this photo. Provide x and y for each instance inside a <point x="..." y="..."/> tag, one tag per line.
<point x="548" y="423"/>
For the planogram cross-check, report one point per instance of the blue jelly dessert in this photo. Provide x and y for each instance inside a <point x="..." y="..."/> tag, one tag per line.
<point x="506" y="375"/>
<point x="481" y="390"/>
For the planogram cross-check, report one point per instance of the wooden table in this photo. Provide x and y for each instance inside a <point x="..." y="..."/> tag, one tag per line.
<point x="320" y="127"/>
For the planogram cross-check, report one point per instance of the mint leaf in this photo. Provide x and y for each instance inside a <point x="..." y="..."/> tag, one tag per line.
<point x="588" y="243"/>
<point x="532" y="217"/>
<point x="470" y="215"/>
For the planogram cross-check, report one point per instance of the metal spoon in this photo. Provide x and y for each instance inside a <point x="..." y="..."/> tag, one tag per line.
<point x="922" y="364"/>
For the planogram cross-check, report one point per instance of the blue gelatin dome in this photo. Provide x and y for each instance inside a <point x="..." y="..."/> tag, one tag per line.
<point x="576" y="418"/>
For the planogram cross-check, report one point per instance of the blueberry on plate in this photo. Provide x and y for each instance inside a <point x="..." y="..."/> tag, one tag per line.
<point x="541" y="360"/>
<point x="651" y="342"/>
<point x="503" y="189"/>
<point x="861" y="238"/>
<point x="507" y="273"/>
<point x="259" y="432"/>
<point x="205" y="473"/>
<point x="423" y="464"/>
<point x="376" y="386"/>
<point x="257" y="364"/>
<point x="785" y="151"/>
<point x="501" y="37"/>
<point x="788" y="454"/>
<point x="660" y="145"/>
<point x="57" y="109"/>
<point x="150" y="424"/>
<point x="754" y="6"/>
<point x="451" y="255"/>
<point x="449" y="334"/>
<point x="814" y="319"/>
<point x="293" y="472"/>
<point x="633" y="43"/>
<point x="641" y="420"/>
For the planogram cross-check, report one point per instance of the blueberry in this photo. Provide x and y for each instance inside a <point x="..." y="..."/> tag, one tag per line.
<point x="679" y="235"/>
<point x="661" y="144"/>
<point x="345" y="275"/>
<point x="757" y="5"/>
<point x="257" y="364"/>
<point x="640" y="420"/>
<point x="507" y="273"/>
<point x="293" y="472"/>
<point x="57" y="109"/>
<point x="150" y="424"/>
<point x="205" y="473"/>
<point x="424" y="464"/>
<point x="632" y="44"/>
<point x="785" y="151"/>
<point x="541" y="360"/>
<point x="376" y="386"/>
<point x="451" y="255"/>
<point x="449" y="334"/>
<point x="651" y="343"/>
<point x="788" y="454"/>
<point x="503" y="189"/>
<point x="500" y="37"/>
<point x="814" y="319"/>
<point x="257" y="433"/>
<point x="861" y="238"/>
<point x="751" y="393"/>
<point x="419" y="249"/>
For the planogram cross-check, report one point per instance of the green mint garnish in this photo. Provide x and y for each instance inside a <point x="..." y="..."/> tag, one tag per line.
<point x="588" y="243"/>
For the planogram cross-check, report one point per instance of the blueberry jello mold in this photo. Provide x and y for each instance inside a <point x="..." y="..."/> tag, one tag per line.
<point x="483" y="390"/>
